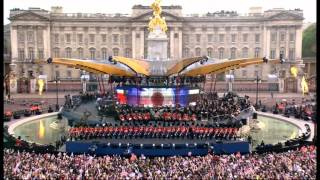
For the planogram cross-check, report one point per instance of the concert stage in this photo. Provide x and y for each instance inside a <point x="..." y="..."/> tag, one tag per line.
<point x="156" y="147"/>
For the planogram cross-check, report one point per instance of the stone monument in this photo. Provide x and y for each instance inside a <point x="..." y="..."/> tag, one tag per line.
<point x="157" y="41"/>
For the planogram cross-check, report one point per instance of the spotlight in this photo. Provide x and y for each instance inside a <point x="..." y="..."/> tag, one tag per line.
<point x="119" y="144"/>
<point x="187" y="145"/>
<point x="108" y="144"/>
<point x="49" y="60"/>
<point x="173" y="145"/>
<point x="265" y="59"/>
<point x="153" y="145"/>
<point x="195" y="144"/>
<point x="162" y="145"/>
<point x="141" y="145"/>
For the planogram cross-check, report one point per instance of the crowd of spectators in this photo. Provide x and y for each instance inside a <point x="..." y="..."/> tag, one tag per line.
<point x="295" y="164"/>
<point x="193" y="132"/>
<point x="306" y="110"/>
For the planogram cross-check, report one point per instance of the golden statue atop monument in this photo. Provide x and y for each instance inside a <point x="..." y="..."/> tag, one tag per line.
<point x="157" y="20"/>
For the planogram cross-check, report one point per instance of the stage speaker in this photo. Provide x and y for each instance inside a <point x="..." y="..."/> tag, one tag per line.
<point x="255" y="116"/>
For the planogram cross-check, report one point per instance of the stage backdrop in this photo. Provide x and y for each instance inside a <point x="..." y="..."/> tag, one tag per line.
<point x="156" y="96"/>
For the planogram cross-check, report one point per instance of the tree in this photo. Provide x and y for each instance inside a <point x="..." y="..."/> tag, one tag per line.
<point x="309" y="41"/>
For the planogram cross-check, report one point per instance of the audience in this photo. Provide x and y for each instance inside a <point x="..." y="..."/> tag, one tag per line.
<point x="297" y="164"/>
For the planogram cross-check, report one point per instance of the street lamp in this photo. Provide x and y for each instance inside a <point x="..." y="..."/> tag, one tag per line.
<point x="257" y="79"/>
<point x="230" y="78"/>
<point x="57" y="91"/>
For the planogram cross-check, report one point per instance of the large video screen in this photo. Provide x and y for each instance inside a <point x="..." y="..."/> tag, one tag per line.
<point x="155" y="97"/>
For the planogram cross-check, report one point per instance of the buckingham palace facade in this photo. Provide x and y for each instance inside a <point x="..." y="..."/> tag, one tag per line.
<point x="39" y="34"/>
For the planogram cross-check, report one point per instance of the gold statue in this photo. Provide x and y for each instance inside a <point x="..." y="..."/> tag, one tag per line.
<point x="304" y="86"/>
<point x="41" y="85"/>
<point x="157" y="20"/>
<point x="294" y="71"/>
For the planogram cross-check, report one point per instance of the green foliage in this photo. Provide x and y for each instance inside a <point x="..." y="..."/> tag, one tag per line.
<point x="309" y="42"/>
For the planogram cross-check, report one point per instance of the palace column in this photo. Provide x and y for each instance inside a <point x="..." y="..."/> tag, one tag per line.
<point x="171" y="43"/>
<point x="180" y="44"/>
<point x="134" y="44"/>
<point x="141" y="55"/>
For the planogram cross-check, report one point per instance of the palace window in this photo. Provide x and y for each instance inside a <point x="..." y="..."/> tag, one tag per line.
<point x="127" y="38"/>
<point x="245" y="52"/>
<point x="92" y="53"/>
<point x="210" y="38"/>
<point x="68" y="38"/>
<point x="21" y="36"/>
<point x="127" y="52"/>
<point x="198" y="52"/>
<point x="233" y="53"/>
<point x="68" y="52"/>
<point x="30" y="53"/>
<point x="291" y="54"/>
<point x="56" y="52"/>
<point x="221" y="38"/>
<point x="186" y="52"/>
<point x="115" y="51"/>
<point x="283" y="51"/>
<point x="21" y="55"/>
<point x="292" y="36"/>
<point x="56" y="38"/>
<point x="283" y="36"/>
<point x="273" y="37"/>
<point x="272" y="54"/>
<point x="91" y="38"/>
<point x="115" y="38"/>
<point x="104" y="38"/>
<point x="257" y="52"/>
<point x="233" y="38"/>
<point x="257" y="38"/>
<point x="40" y="54"/>
<point x="245" y="37"/>
<point x="80" y="53"/>
<point x="30" y="37"/>
<point x="198" y="38"/>
<point x="186" y="38"/>
<point x="210" y="52"/>
<point x="221" y="53"/>
<point x="104" y="55"/>
<point x="80" y="38"/>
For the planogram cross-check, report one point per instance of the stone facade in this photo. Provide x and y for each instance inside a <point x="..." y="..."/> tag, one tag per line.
<point x="39" y="34"/>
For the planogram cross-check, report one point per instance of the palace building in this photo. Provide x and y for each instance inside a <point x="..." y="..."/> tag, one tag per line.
<point x="40" y="34"/>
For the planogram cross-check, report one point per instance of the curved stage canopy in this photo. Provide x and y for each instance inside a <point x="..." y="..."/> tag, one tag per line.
<point x="182" y="64"/>
<point x="129" y="67"/>
<point x="219" y="66"/>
